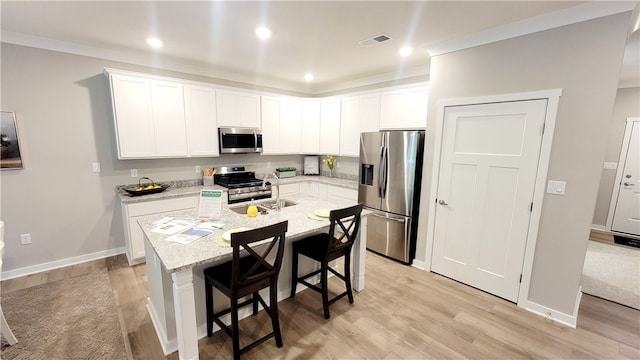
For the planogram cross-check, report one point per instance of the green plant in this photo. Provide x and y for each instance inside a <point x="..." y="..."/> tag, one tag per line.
<point x="283" y="169"/>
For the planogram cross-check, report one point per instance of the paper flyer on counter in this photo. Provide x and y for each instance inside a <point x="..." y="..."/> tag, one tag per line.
<point x="210" y="204"/>
<point x="188" y="235"/>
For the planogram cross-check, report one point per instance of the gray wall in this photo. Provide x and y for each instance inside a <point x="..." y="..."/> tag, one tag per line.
<point x="62" y="104"/>
<point x="584" y="61"/>
<point x="627" y="104"/>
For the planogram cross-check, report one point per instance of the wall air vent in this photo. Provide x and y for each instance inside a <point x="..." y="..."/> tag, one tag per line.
<point x="375" y="40"/>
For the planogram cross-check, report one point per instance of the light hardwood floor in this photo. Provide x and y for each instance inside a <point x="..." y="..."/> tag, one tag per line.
<point x="404" y="313"/>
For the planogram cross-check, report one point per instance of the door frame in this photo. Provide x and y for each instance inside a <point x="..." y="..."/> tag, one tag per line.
<point x="553" y="98"/>
<point x="622" y="160"/>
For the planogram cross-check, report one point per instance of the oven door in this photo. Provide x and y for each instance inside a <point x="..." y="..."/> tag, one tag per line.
<point x="240" y="141"/>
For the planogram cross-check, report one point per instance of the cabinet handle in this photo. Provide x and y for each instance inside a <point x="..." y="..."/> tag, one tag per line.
<point x="443" y="203"/>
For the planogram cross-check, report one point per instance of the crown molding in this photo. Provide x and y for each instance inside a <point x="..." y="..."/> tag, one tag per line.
<point x="143" y="59"/>
<point x="588" y="11"/>
<point x="148" y="60"/>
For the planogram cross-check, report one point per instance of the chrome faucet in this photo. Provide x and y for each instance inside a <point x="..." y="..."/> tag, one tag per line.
<point x="264" y="183"/>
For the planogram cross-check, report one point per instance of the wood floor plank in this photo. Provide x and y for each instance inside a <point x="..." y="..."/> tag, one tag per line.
<point x="404" y="313"/>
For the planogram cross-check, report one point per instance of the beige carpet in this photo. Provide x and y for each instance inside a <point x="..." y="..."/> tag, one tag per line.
<point x="71" y="319"/>
<point x="612" y="272"/>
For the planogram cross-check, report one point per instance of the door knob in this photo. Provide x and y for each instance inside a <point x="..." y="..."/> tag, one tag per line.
<point x="442" y="202"/>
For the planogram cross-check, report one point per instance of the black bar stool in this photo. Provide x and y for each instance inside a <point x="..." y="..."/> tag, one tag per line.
<point x="245" y="276"/>
<point x="324" y="248"/>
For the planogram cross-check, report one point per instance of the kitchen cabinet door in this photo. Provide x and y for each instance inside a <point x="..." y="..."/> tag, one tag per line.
<point x="310" y="127"/>
<point x="131" y="213"/>
<point x="404" y="108"/>
<point x="167" y="103"/>
<point x="238" y="109"/>
<point x="330" y="126"/>
<point x="131" y="98"/>
<point x="359" y="114"/>
<point x="200" y="116"/>
<point x="290" y="126"/>
<point x="270" y="125"/>
<point x="281" y="125"/>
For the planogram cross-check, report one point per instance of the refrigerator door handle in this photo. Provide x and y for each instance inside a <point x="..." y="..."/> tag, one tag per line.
<point x="386" y="172"/>
<point x="389" y="218"/>
<point x="381" y="171"/>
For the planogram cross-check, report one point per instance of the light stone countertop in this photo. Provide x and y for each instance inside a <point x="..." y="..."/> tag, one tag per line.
<point x="176" y="257"/>
<point x="192" y="187"/>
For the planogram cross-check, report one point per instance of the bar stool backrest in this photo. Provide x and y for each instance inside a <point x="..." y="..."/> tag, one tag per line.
<point x="259" y="245"/>
<point x="345" y="224"/>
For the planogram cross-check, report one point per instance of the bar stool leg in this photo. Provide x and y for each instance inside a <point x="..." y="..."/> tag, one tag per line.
<point x="294" y="272"/>
<point x="325" y="290"/>
<point x="347" y="275"/>
<point x="235" y="331"/>
<point x="273" y="304"/>
<point x="208" y="288"/>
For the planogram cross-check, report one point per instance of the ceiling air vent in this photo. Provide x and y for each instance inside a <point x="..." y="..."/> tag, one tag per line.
<point x="375" y="40"/>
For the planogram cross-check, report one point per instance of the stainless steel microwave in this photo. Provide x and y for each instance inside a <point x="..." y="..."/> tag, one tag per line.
<point x="240" y="140"/>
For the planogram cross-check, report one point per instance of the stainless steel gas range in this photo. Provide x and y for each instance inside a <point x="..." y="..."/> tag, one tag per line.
<point x="242" y="185"/>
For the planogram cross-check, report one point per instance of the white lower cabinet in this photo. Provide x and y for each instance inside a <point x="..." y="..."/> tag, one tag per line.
<point x="340" y="193"/>
<point x="289" y="189"/>
<point x="131" y="213"/>
<point x="309" y="188"/>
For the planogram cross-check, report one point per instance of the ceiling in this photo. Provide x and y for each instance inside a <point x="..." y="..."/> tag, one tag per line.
<point x="217" y="38"/>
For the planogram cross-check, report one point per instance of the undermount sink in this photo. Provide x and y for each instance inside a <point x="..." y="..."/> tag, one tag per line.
<point x="271" y="204"/>
<point x="262" y="206"/>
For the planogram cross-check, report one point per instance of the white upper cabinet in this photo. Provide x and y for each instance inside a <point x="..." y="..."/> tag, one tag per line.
<point x="160" y="118"/>
<point x="359" y="114"/>
<point x="291" y="126"/>
<point x="131" y="98"/>
<point x="167" y="102"/>
<point x="310" y="126"/>
<point x="149" y="117"/>
<point x="330" y="126"/>
<point x="238" y="109"/>
<point x="281" y="125"/>
<point x="404" y="108"/>
<point x="200" y="114"/>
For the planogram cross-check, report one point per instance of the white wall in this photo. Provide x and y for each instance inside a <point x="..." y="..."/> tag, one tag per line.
<point x="584" y="61"/>
<point x="627" y="105"/>
<point x="65" y="123"/>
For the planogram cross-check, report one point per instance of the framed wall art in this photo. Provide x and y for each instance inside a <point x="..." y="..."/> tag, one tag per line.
<point x="10" y="156"/>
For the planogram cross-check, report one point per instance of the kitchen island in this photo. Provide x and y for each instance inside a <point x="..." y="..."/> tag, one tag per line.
<point x="176" y="301"/>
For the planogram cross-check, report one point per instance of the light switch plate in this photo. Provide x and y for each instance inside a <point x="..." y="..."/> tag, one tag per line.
<point x="610" y="165"/>
<point x="556" y="187"/>
<point x="95" y="167"/>
<point x="134" y="173"/>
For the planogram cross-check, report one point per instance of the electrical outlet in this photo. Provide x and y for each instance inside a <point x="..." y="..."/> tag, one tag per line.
<point x="198" y="169"/>
<point x="95" y="167"/>
<point x="268" y="164"/>
<point x="25" y="239"/>
<point x="134" y="173"/>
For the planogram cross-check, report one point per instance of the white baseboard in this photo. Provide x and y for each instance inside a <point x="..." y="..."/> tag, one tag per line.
<point x="28" y="270"/>
<point x="419" y="265"/>
<point x="554" y="315"/>
<point x="167" y="346"/>
<point x="599" y="227"/>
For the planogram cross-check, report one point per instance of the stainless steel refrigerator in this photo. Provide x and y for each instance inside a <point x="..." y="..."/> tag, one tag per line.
<point x="390" y="177"/>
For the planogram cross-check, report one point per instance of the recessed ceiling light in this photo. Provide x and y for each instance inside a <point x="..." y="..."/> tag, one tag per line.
<point x="263" y="33"/>
<point x="154" y="42"/>
<point x="405" y="51"/>
<point x="308" y="77"/>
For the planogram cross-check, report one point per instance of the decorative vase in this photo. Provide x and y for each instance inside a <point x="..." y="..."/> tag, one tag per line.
<point x="330" y="172"/>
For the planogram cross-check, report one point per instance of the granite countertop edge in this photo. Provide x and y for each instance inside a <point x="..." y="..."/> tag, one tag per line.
<point x="184" y="188"/>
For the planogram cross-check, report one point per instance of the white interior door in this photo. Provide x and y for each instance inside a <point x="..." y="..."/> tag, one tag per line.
<point x="626" y="218"/>
<point x="488" y="168"/>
